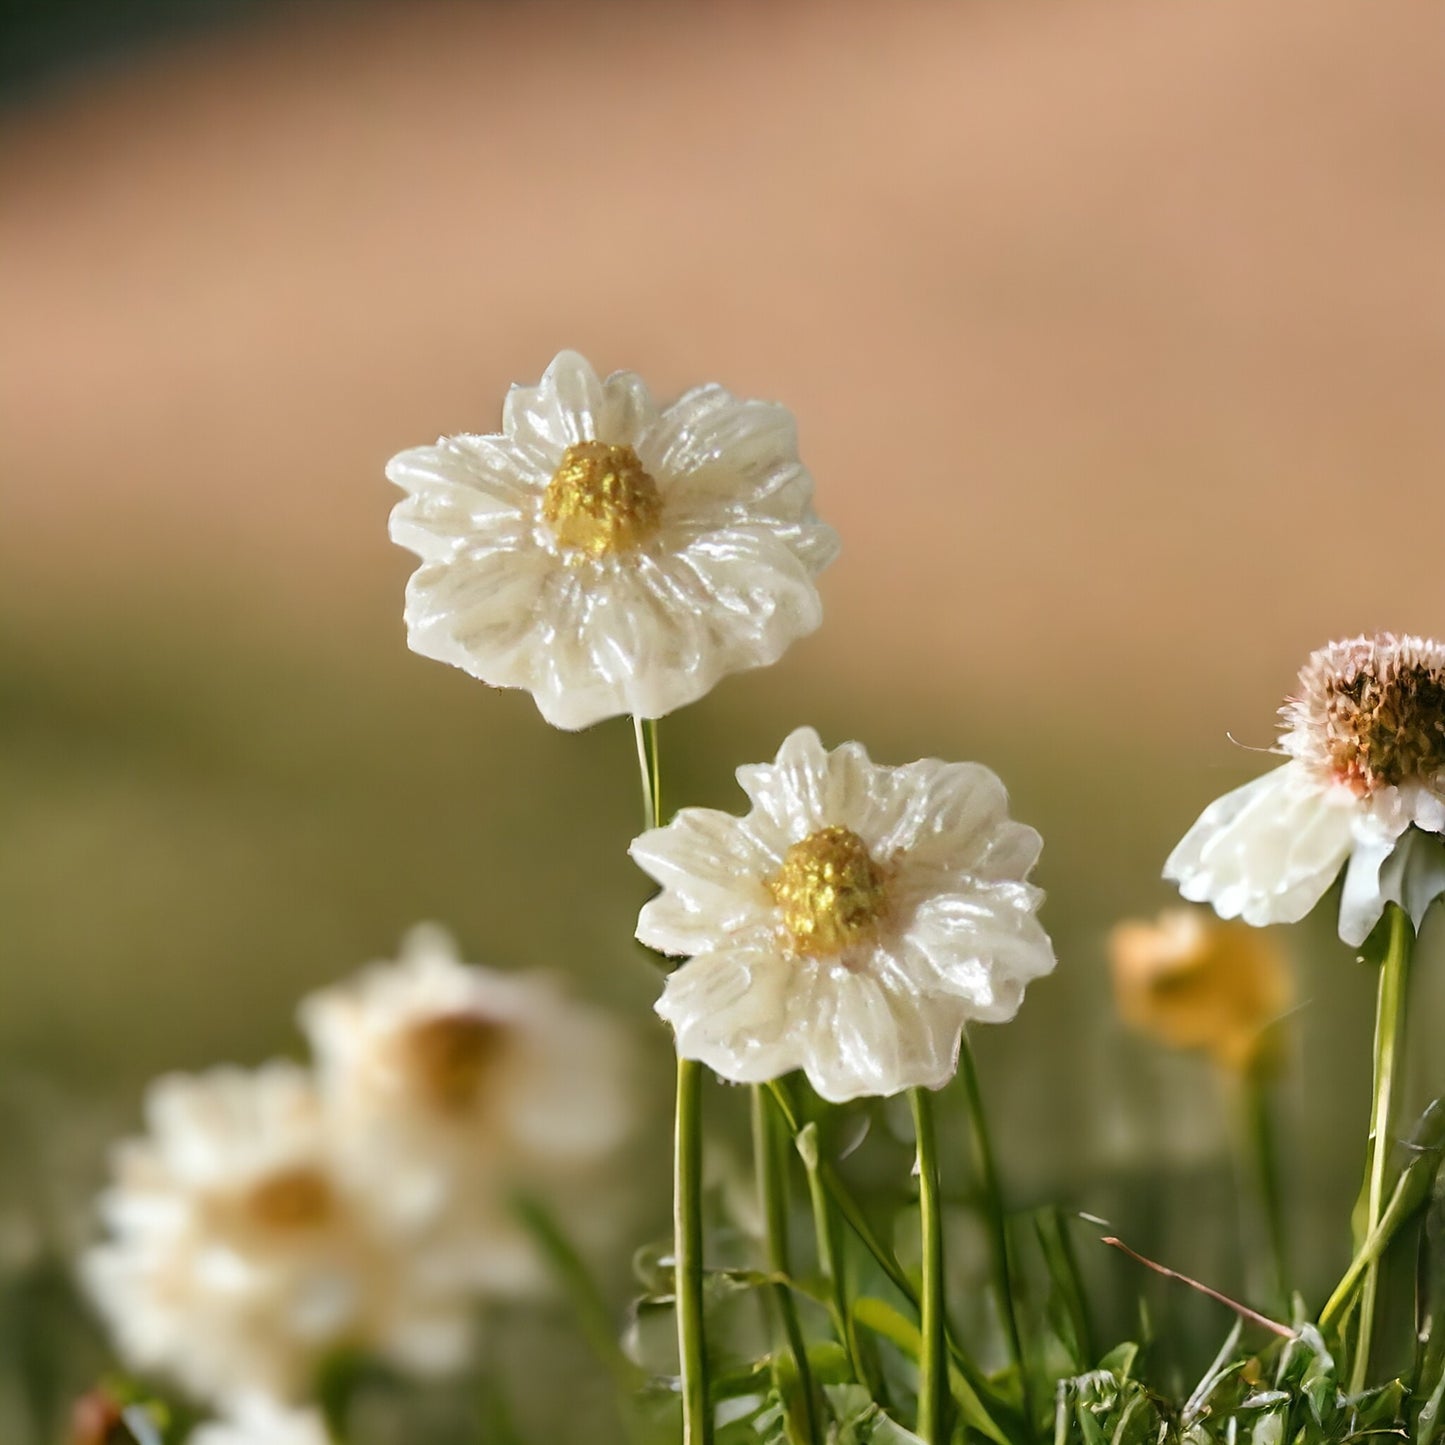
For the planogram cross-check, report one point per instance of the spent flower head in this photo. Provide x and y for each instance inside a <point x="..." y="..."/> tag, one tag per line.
<point x="849" y="925"/>
<point x="609" y="555"/>
<point x="1364" y="783"/>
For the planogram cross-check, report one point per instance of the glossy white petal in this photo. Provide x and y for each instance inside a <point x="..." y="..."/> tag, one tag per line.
<point x="957" y="939"/>
<point x="1409" y="871"/>
<point x="1267" y="852"/>
<point x="726" y="583"/>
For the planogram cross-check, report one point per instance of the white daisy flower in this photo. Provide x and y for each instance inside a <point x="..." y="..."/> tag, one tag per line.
<point x="238" y="1257"/>
<point x="261" y="1421"/>
<point x="608" y="555"/>
<point x="1365" y="783"/>
<point x="849" y="925"/>
<point x="451" y="1086"/>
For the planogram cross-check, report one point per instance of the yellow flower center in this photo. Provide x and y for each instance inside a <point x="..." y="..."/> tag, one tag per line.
<point x="831" y="892"/>
<point x="601" y="501"/>
<point x="448" y="1055"/>
<point x="297" y="1198"/>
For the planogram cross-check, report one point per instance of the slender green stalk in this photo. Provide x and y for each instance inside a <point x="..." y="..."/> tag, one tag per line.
<point x="1389" y="1051"/>
<point x="773" y="1198"/>
<point x="686" y="1169"/>
<point x="1262" y="1162"/>
<point x="589" y="1308"/>
<point x="687" y="1253"/>
<point x="986" y="1395"/>
<point x="997" y="1222"/>
<point x="831" y="1265"/>
<point x="933" y="1393"/>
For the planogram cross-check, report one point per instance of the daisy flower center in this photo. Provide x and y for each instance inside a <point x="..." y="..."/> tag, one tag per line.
<point x="448" y="1055"/>
<point x="601" y="501"/>
<point x="298" y="1198"/>
<point x="831" y="893"/>
<point x="1372" y="711"/>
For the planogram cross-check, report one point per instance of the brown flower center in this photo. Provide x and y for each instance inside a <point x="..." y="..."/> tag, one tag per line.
<point x="447" y="1057"/>
<point x="296" y="1198"/>
<point x="831" y="892"/>
<point x="601" y="501"/>
<point x="1374" y="710"/>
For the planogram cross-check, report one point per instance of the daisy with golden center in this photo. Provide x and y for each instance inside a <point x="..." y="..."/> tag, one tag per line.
<point x="608" y="555"/>
<point x="450" y="1086"/>
<point x="849" y="925"/>
<point x="239" y="1256"/>
<point x="1364" y="783"/>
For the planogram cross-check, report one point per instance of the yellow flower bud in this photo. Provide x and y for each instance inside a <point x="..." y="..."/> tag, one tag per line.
<point x="1193" y="982"/>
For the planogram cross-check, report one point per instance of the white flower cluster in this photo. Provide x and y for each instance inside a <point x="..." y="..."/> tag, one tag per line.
<point x="271" y="1218"/>
<point x="611" y="557"/>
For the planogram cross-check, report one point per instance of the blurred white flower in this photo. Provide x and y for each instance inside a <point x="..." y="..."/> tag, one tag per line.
<point x="849" y="925"/>
<point x="607" y="555"/>
<point x="261" y="1421"/>
<point x="1365" y="782"/>
<point x="238" y="1258"/>
<point x="450" y="1086"/>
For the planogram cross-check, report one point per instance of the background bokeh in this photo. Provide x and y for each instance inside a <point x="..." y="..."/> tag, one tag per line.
<point x="1116" y="335"/>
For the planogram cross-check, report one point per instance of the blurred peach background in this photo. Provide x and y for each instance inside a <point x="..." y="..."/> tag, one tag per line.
<point x="1116" y="335"/>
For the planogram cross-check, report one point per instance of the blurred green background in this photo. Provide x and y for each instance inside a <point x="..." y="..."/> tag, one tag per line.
<point x="1116" y="333"/>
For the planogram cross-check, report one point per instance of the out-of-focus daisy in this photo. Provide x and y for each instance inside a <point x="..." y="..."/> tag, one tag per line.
<point x="260" y="1421"/>
<point x="1193" y="982"/>
<point x="1365" y="782"/>
<point x="849" y="925"/>
<point x="450" y="1086"/>
<point x="238" y="1258"/>
<point x="608" y="555"/>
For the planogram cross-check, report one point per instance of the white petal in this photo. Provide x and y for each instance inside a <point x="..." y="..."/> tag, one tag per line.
<point x="1268" y="851"/>
<point x="791" y="792"/>
<point x="561" y="410"/>
<point x="1409" y="871"/>
<point x="877" y="1033"/>
<point x="730" y="1010"/>
<point x="712" y="868"/>
<point x="481" y="614"/>
<point x="982" y="946"/>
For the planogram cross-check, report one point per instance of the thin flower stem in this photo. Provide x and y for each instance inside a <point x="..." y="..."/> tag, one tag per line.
<point x="687" y="1253"/>
<point x="997" y="1223"/>
<point x="686" y="1168"/>
<point x="830" y="1259"/>
<point x="1389" y="1050"/>
<point x="989" y="1402"/>
<point x="773" y="1197"/>
<point x="1264" y="1165"/>
<point x="650" y="771"/>
<point x="933" y="1392"/>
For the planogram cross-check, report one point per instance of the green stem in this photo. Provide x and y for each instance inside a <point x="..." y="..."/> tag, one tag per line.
<point x="589" y="1308"/>
<point x="830" y="1254"/>
<point x="686" y="1168"/>
<point x="1263" y="1161"/>
<point x="773" y="1197"/>
<point x="989" y="1400"/>
<point x="1389" y="1050"/>
<point x="997" y="1221"/>
<point x="687" y="1253"/>
<point x="933" y="1351"/>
